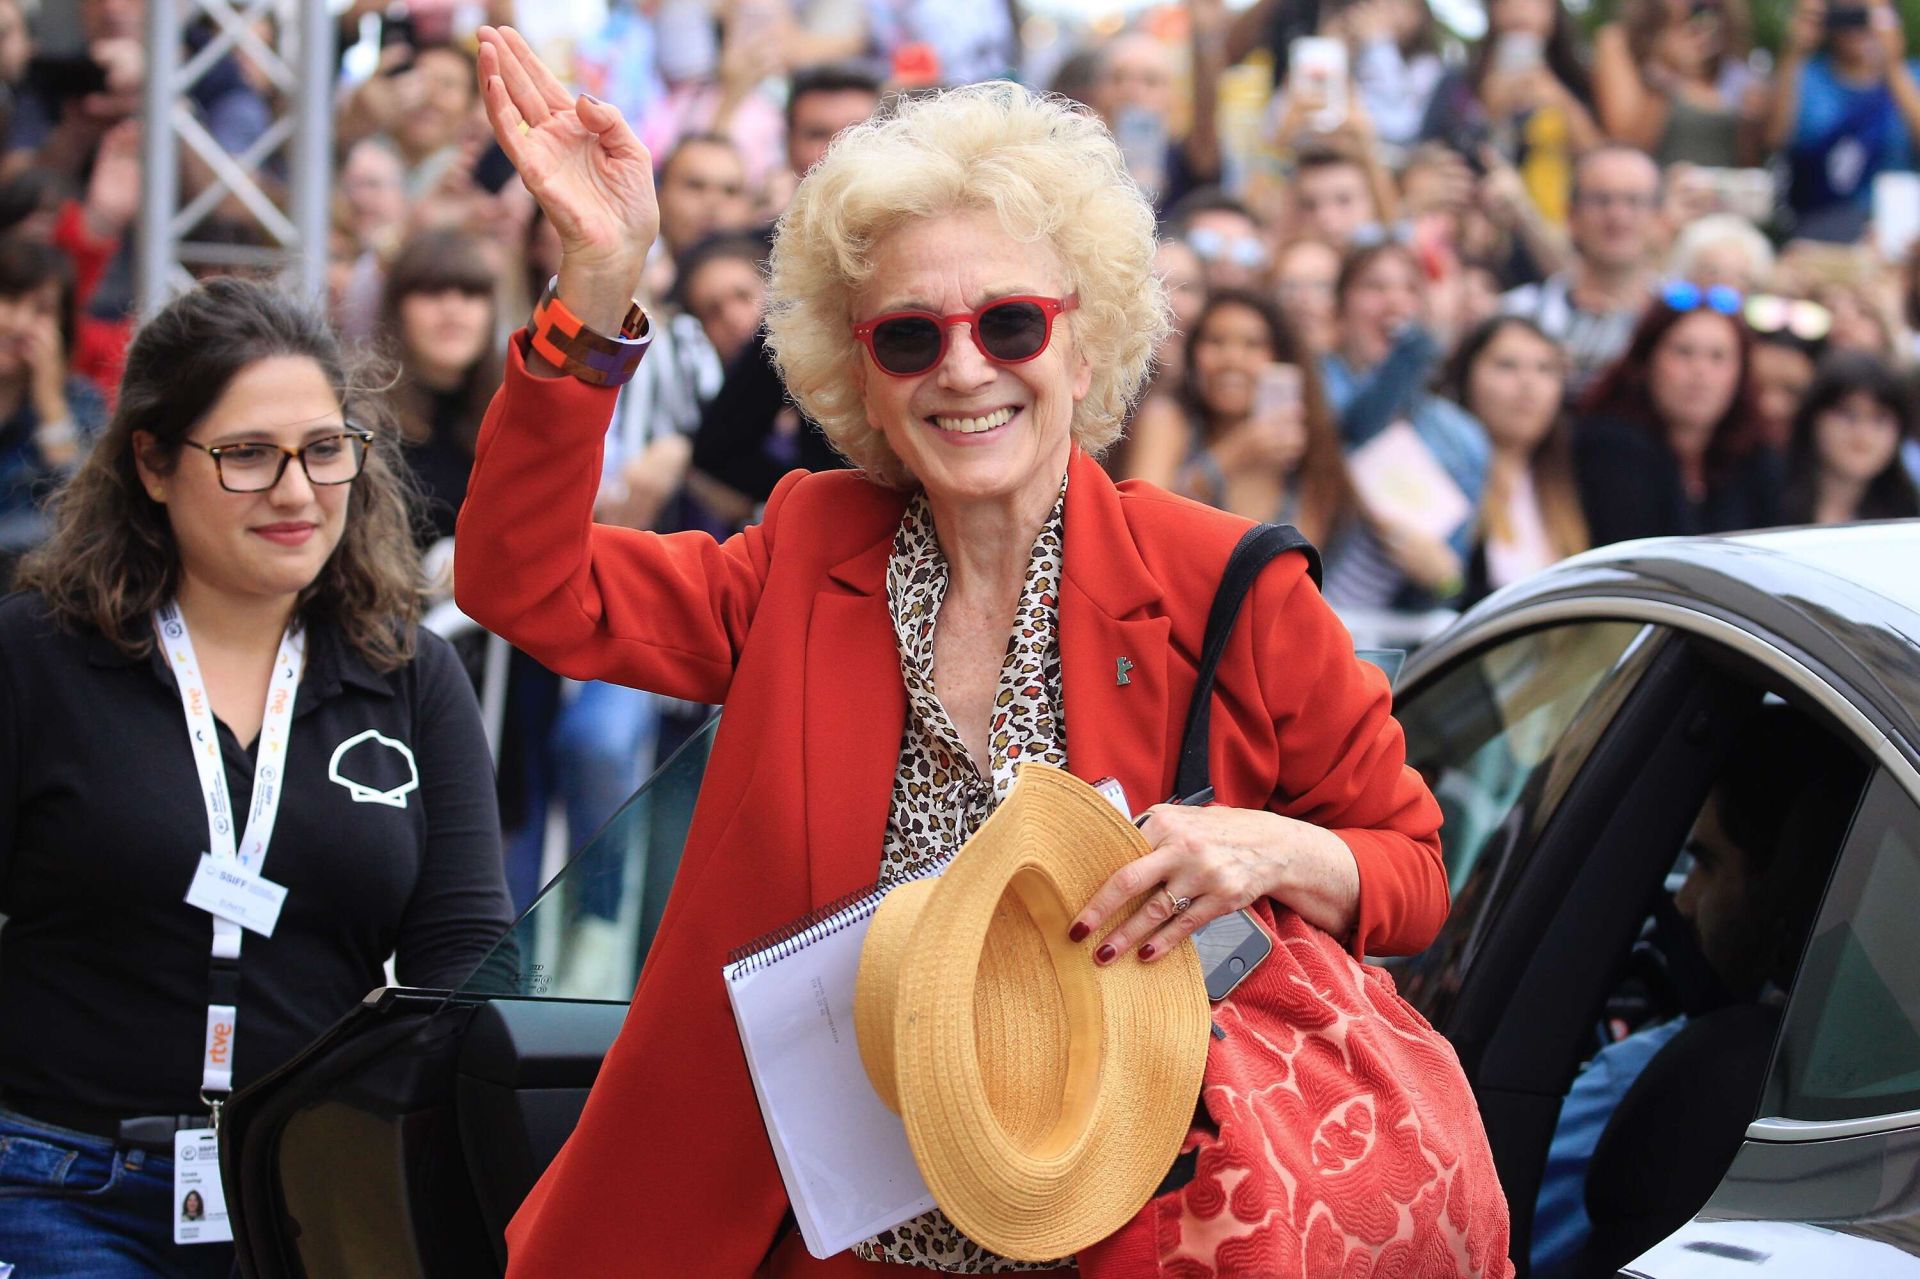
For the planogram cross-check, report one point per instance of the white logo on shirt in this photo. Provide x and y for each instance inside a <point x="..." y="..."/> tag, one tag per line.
<point x="363" y="793"/>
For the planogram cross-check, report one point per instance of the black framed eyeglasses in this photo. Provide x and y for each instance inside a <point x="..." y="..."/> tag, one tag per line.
<point x="255" y="467"/>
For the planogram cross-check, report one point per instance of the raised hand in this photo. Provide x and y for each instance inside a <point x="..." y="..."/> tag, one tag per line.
<point x="584" y="165"/>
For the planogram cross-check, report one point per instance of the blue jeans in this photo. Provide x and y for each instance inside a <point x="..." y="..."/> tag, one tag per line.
<point x="603" y="749"/>
<point x="74" y="1206"/>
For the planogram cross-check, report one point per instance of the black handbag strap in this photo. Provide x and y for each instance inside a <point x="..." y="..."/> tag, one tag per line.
<point x="1261" y="545"/>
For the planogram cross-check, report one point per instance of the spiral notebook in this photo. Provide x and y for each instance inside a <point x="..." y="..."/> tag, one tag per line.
<point x="842" y="1153"/>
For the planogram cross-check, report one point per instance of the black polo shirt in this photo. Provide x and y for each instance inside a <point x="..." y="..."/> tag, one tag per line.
<point x="388" y="843"/>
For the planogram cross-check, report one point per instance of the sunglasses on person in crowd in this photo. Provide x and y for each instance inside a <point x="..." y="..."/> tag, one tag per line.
<point x="1006" y="330"/>
<point x="1770" y="313"/>
<point x="1763" y="312"/>
<point x="1684" y="295"/>
<point x="1210" y="245"/>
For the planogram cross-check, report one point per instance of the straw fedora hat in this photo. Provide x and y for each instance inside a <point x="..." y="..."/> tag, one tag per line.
<point x="1044" y="1098"/>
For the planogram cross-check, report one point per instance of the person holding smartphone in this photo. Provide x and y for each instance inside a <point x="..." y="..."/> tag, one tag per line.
<point x="1847" y="109"/>
<point x="1671" y="77"/>
<point x="1525" y="92"/>
<point x="1251" y="425"/>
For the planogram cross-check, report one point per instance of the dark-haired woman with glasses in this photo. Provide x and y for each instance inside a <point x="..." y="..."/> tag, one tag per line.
<point x="1844" y="457"/>
<point x="1666" y="443"/>
<point x="235" y="777"/>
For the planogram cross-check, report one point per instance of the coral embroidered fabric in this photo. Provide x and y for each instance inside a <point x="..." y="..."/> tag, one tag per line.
<point x="1349" y="1145"/>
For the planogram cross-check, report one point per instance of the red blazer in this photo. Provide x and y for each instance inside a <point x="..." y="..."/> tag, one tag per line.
<point x="669" y="1172"/>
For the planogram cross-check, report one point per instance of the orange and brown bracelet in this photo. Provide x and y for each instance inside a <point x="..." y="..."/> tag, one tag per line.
<point x="559" y="337"/>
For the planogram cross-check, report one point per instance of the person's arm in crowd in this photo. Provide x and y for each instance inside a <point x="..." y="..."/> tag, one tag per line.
<point x="458" y="908"/>
<point x="1396" y="98"/>
<point x="1385" y="396"/>
<point x="83" y="122"/>
<point x="1248" y="30"/>
<point x="648" y="480"/>
<point x="1632" y="110"/>
<point x="57" y="435"/>
<point x="1505" y="198"/>
<point x="1900" y="81"/>
<point x="1209" y="20"/>
<point x="373" y="105"/>
<point x="1804" y="35"/>
<point x="748" y="57"/>
<point x="833" y="31"/>
<point x="89" y="232"/>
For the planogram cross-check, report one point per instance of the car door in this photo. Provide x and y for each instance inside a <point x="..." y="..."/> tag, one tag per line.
<point x="1828" y="1180"/>
<point x="400" y="1143"/>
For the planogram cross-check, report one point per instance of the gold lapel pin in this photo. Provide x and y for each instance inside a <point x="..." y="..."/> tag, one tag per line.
<point x="1121" y="667"/>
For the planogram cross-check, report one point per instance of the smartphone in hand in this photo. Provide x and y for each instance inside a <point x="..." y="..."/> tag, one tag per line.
<point x="1277" y="389"/>
<point x="1317" y="69"/>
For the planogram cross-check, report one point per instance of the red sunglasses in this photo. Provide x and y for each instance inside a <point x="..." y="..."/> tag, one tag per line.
<point x="1007" y="331"/>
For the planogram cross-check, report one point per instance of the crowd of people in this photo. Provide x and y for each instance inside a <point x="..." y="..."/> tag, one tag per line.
<point x="1457" y="305"/>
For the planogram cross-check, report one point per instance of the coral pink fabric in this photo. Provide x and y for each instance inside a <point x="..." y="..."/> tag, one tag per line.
<point x="1349" y="1143"/>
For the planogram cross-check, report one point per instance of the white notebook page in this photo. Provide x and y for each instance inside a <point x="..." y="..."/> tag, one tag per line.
<point x="843" y="1155"/>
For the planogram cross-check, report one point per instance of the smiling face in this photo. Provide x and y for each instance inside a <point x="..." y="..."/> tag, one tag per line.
<point x="1382" y="296"/>
<point x="1228" y="352"/>
<point x="969" y="429"/>
<point x="269" y="545"/>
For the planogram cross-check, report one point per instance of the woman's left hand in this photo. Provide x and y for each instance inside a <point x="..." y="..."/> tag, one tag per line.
<point x="1220" y="860"/>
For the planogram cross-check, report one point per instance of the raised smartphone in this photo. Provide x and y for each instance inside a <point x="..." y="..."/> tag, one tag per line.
<point x="1317" y="68"/>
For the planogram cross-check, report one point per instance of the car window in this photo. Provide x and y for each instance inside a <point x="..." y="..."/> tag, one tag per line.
<point x="1851" y="1045"/>
<point x="560" y="948"/>
<point x="1499" y="736"/>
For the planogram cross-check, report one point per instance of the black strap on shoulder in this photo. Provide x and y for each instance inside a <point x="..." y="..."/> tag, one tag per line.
<point x="1261" y="545"/>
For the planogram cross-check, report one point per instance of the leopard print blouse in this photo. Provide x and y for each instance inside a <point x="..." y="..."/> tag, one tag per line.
<point x="939" y="795"/>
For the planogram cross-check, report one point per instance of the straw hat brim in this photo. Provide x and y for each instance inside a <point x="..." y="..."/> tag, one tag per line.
<point x="1135" y="1039"/>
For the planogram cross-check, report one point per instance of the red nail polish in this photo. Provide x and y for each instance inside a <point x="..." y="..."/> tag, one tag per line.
<point x="1078" y="932"/>
<point x="1146" y="952"/>
<point x="1102" y="955"/>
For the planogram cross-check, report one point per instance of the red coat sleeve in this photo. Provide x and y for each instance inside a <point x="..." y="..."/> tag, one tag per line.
<point x="593" y="602"/>
<point x="1343" y="762"/>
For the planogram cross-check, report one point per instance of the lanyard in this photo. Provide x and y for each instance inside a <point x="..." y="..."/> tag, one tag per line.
<point x="251" y="850"/>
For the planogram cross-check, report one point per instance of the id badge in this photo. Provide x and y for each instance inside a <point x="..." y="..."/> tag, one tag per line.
<point x="227" y="890"/>
<point x="199" y="1203"/>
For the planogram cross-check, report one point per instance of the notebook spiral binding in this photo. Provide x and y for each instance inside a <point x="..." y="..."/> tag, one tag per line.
<point x="797" y="935"/>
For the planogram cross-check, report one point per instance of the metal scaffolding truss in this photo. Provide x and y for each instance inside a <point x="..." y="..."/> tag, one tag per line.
<point x="299" y="64"/>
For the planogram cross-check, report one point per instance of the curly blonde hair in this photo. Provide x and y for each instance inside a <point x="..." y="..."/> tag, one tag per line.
<point x="1050" y="174"/>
